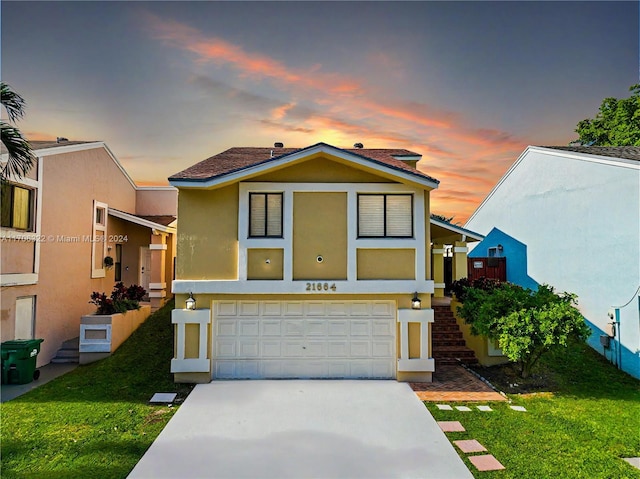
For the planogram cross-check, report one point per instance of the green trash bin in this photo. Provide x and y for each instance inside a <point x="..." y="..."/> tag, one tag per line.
<point x="19" y="360"/>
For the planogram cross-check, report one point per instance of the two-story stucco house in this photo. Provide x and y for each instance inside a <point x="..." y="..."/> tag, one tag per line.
<point x="306" y="263"/>
<point x="76" y="207"/>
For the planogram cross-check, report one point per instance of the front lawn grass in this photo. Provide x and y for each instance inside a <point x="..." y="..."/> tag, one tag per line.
<point x="583" y="416"/>
<point x="94" y="421"/>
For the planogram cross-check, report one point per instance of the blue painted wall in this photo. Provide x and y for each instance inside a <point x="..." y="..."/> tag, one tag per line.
<point x="513" y="250"/>
<point x="516" y="254"/>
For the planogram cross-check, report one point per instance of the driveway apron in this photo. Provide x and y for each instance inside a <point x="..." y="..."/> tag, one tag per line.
<point x="302" y="429"/>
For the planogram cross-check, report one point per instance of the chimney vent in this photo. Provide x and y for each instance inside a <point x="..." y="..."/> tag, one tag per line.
<point x="60" y="139"/>
<point x="358" y="145"/>
<point x="278" y="145"/>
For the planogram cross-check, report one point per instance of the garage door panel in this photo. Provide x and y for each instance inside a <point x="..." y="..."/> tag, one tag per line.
<point x="381" y="349"/>
<point x="315" y="327"/>
<point x="249" y="327"/>
<point x="315" y="308"/>
<point x="292" y="349"/>
<point x="315" y="349"/>
<point x="248" y="349"/>
<point x="271" y="327"/>
<point x="338" y="349"/>
<point x="338" y="328"/>
<point x="293" y="308"/>
<point x="226" y="308"/>
<point x="380" y="308"/>
<point x="249" y="308"/>
<point x="225" y="348"/>
<point x="293" y="327"/>
<point x="360" y="349"/>
<point x="271" y="349"/>
<point x="360" y="308"/>
<point x="382" y="327"/>
<point x="360" y="327"/>
<point x="271" y="308"/>
<point x="226" y="327"/>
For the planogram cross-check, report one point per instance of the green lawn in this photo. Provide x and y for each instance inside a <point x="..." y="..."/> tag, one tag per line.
<point x="94" y="421"/>
<point x="584" y="417"/>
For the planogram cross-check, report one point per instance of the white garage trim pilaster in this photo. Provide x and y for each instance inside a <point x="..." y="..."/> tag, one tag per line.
<point x="182" y="317"/>
<point x="425" y="363"/>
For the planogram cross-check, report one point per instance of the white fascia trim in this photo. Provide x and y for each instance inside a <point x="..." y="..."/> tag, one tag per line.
<point x="575" y="155"/>
<point x="157" y="285"/>
<point x="439" y="285"/>
<point x="18" y="279"/>
<point x="60" y="150"/>
<point x="157" y="247"/>
<point x="186" y="286"/>
<point x="157" y="294"/>
<point x="502" y="180"/>
<point x="293" y="157"/>
<point x="407" y="157"/>
<point x="460" y="249"/>
<point x="457" y="229"/>
<point x="156" y="188"/>
<point x="141" y="221"/>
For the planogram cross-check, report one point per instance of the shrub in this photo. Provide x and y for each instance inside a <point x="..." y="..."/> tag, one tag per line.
<point x="122" y="299"/>
<point x="461" y="286"/>
<point x="527" y="324"/>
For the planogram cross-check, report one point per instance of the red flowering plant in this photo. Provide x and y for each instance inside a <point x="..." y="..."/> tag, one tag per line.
<point x="122" y="299"/>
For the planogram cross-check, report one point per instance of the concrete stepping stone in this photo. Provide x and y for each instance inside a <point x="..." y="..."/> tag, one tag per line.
<point x="451" y="426"/>
<point x="486" y="463"/>
<point x="470" y="445"/>
<point x="163" y="398"/>
<point x="634" y="461"/>
<point x="484" y="408"/>
<point x="463" y="408"/>
<point x="444" y="407"/>
<point x="518" y="408"/>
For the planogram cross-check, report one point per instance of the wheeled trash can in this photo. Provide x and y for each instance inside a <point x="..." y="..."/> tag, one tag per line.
<point x="19" y="360"/>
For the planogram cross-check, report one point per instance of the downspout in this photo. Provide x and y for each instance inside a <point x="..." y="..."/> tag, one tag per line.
<point x="617" y="322"/>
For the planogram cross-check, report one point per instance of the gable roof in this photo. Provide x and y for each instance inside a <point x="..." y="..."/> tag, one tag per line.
<point x="626" y="152"/>
<point x="241" y="159"/>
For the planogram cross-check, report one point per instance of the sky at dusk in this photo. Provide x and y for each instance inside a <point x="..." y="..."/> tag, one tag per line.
<point x="466" y="84"/>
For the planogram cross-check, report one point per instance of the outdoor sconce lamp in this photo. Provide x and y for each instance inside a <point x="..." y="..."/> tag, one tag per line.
<point x="415" y="301"/>
<point x="190" y="303"/>
<point x="500" y="247"/>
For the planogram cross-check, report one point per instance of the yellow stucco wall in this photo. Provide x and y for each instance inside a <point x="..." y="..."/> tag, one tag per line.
<point x="257" y="266"/>
<point x="321" y="170"/>
<point x="319" y="235"/>
<point x="207" y="234"/>
<point x="381" y="263"/>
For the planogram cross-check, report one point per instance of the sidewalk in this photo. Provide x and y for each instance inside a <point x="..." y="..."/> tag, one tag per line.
<point x="47" y="373"/>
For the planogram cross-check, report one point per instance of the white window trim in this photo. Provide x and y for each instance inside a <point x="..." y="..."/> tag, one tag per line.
<point x="95" y="247"/>
<point x="351" y="285"/>
<point x="21" y="279"/>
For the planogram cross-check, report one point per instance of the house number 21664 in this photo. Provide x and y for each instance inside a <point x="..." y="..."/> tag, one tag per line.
<point x="321" y="287"/>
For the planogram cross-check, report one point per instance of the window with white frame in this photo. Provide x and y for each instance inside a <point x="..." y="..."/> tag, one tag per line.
<point x="99" y="239"/>
<point x="17" y="207"/>
<point x="385" y="215"/>
<point x="265" y="215"/>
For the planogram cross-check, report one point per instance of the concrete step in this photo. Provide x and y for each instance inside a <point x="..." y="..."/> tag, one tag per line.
<point x="69" y="352"/>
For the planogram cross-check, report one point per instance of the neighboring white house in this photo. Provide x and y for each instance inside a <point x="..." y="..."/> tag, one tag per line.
<point x="576" y="210"/>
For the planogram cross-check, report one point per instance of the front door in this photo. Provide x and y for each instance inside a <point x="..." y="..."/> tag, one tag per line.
<point x="145" y="267"/>
<point x="25" y="317"/>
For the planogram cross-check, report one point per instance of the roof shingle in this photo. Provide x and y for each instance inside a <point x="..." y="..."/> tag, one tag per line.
<point x="238" y="158"/>
<point x="626" y="152"/>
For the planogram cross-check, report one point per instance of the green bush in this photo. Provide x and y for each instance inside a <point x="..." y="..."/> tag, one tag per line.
<point x="526" y="323"/>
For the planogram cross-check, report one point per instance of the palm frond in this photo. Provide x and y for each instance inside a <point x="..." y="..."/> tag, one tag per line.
<point x="21" y="158"/>
<point x="12" y="101"/>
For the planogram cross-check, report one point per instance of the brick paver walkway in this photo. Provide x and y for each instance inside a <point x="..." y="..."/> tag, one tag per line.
<point x="454" y="383"/>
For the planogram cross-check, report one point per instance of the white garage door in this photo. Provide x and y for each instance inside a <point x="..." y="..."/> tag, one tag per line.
<point x="304" y="339"/>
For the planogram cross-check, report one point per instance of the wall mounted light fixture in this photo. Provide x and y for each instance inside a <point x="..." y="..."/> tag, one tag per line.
<point x="190" y="303"/>
<point x="415" y="301"/>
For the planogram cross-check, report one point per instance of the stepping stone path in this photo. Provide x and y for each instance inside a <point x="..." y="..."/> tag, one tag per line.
<point x="518" y="408"/>
<point x="484" y="462"/>
<point x="470" y="445"/>
<point x="463" y="408"/>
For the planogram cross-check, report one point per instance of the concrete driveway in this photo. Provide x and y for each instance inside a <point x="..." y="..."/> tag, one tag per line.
<point x="302" y="429"/>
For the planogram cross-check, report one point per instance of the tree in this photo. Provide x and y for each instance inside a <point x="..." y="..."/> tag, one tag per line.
<point x="527" y="324"/>
<point x="616" y="124"/>
<point x="20" y="158"/>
